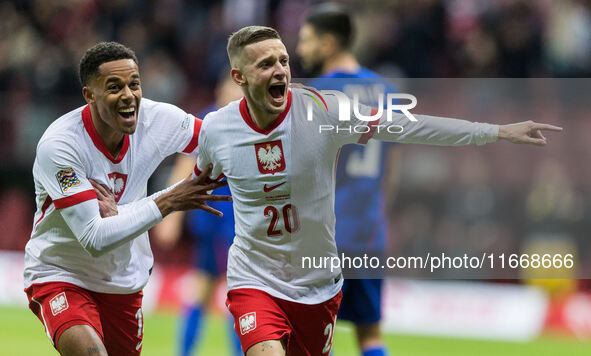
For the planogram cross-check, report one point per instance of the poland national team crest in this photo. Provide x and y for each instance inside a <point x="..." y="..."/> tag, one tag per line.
<point x="270" y="157"/>
<point x="117" y="182"/>
<point x="248" y="322"/>
<point x="58" y="304"/>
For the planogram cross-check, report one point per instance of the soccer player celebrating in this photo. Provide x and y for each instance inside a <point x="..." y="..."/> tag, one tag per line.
<point x="325" y="46"/>
<point x="280" y="170"/>
<point x="86" y="263"/>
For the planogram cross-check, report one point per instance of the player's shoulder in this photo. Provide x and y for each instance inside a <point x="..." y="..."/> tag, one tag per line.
<point x="375" y="78"/>
<point x="63" y="132"/>
<point x="308" y="100"/>
<point x="301" y="92"/>
<point x="222" y="117"/>
<point x="151" y="110"/>
<point x="150" y="105"/>
<point x="337" y="79"/>
<point x="367" y="73"/>
<point x="321" y="100"/>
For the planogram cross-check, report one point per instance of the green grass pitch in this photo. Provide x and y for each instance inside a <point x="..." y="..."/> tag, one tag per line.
<point x="22" y="334"/>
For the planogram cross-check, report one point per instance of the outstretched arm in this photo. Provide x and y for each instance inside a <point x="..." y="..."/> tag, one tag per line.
<point x="434" y="130"/>
<point x="392" y="126"/>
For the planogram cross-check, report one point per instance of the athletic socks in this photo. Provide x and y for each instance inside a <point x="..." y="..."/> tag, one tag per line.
<point x="190" y="332"/>
<point x="190" y="328"/>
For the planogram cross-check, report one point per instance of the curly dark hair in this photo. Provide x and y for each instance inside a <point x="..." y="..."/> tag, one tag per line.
<point x="101" y="53"/>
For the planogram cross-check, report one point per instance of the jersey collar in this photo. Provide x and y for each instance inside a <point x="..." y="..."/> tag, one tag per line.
<point x="246" y="116"/>
<point x="98" y="142"/>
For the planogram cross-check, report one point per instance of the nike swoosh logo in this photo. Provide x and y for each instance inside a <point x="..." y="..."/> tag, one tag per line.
<point x="272" y="187"/>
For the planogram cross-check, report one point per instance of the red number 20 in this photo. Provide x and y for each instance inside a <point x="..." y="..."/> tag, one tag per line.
<point x="290" y="219"/>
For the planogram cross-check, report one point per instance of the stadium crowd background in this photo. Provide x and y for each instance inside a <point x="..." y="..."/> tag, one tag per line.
<point x="492" y="198"/>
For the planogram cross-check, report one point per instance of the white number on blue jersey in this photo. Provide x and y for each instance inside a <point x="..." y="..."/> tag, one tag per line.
<point x="365" y="162"/>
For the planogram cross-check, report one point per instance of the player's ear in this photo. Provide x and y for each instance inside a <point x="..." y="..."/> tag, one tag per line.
<point x="88" y="95"/>
<point x="238" y="77"/>
<point x="329" y="44"/>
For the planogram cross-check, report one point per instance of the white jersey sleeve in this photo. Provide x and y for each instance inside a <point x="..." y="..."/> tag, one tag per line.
<point x="61" y="172"/>
<point x="130" y="207"/>
<point x="206" y="155"/>
<point x="329" y="112"/>
<point x="73" y="195"/>
<point x="431" y="130"/>
<point x="100" y="235"/>
<point x="173" y="130"/>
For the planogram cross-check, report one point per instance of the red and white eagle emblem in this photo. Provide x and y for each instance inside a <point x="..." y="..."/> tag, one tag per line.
<point x="270" y="157"/>
<point x="117" y="183"/>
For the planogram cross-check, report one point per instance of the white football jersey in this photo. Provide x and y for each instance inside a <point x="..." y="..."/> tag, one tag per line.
<point x="69" y="153"/>
<point x="282" y="180"/>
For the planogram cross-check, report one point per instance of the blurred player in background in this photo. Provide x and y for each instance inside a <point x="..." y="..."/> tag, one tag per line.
<point x="212" y="238"/>
<point x="269" y="151"/>
<point x="87" y="261"/>
<point x="324" y="46"/>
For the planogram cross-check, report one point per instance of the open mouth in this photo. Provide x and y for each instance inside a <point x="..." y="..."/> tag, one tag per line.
<point x="277" y="91"/>
<point x="127" y="113"/>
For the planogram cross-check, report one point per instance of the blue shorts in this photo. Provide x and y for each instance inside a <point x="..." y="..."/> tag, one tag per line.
<point x="362" y="301"/>
<point x="210" y="254"/>
<point x="212" y="236"/>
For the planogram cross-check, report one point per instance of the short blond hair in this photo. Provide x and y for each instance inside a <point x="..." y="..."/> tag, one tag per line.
<point x="248" y="35"/>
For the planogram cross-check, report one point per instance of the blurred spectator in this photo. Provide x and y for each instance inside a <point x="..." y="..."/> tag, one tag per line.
<point x="568" y="38"/>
